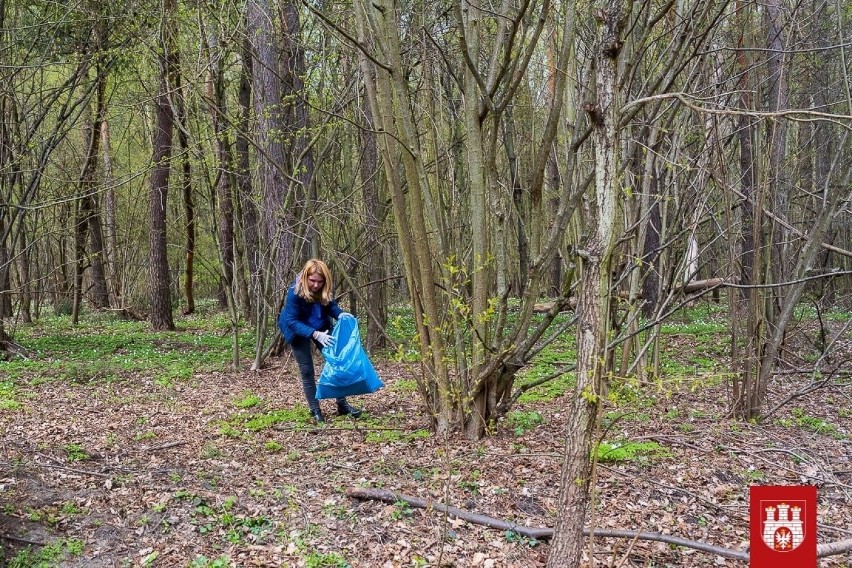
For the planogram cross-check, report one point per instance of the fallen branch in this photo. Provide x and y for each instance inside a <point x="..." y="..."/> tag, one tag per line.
<point x="834" y="548"/>
<point x="71" y="469"/>
<point x="697" y="285"/>
<point x="74" y="470"/>
<point x="391" y="497"/>
<point x="21" y="540"/>
<point x="823" y="550"/>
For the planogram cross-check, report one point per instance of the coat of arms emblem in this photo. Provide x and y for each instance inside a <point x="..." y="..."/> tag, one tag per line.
<point x="783" y="524"/>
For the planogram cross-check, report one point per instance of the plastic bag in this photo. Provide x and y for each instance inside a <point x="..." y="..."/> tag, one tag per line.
<point x="347" y="370"/>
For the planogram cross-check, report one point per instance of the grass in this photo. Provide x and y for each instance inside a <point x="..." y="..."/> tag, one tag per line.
<point x="51" y="554"/>
<point x="298" y="416"/>
<point x="104" y="350"/>
<point x="76" y="452"/>
<point x="808" y="311"/>
<point x="8" y="396"/>
<point x="521" y="421"/>
<point x="405" y="385"/>
<point x="626" y="451"/>
<point x="385" y="436"/>
<point x="247" y="400"/>
<point x="695" y="354"/>
<point x="813" y="424"/>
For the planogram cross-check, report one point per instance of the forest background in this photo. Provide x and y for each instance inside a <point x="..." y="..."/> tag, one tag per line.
<point x="494" y="166"/>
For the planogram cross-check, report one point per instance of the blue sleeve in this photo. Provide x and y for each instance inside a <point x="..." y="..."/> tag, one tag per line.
<point x="292" y="313"/>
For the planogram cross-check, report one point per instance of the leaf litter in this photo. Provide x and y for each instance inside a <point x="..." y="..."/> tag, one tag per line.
<point x="144" y="474"/>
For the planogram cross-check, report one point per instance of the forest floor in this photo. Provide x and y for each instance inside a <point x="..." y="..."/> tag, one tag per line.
<point x="224" y="469"/>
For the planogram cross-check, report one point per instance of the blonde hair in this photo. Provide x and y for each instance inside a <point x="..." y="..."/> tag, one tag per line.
<point x="311" y="267"/>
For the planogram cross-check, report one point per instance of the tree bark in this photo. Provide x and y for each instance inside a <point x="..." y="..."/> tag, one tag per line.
<point x="223" y="182"/>
<point x="744" y="321"/>
<point x="161" y="301"/>
<point x="179" y="106"/>
<point x="245" y="191"/>
<point x="374" y="216"/>
<point x="301" y="201"/>
<point x="88" y="227"/>
<point x="275" y="221"/>
<point x="593" y="305"/>
<point x="113" y="266"/>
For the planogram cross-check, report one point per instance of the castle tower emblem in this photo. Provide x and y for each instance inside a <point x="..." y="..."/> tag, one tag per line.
<point x="783" y="525"/>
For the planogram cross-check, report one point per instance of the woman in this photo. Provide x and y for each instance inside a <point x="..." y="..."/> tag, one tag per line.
<point x="305" y="320"/>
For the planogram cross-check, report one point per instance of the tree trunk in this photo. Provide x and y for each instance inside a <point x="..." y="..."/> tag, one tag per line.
<point x="276" y="242"/>
<point x="375" y="258"/>
<point x="776" y="178"/>
<point x="481" y="246"/>
<point x="179" y="105"/>
<point x="245" y="192"/>
<point x="25" y="307"/>
<point x="300" y="202"/>
<point x="5" y="281"/>
<point x="743" y="308"/>
<point x="593" y="306"/>
<point x="113" y="265"/>
<point x="223" y="186"/>
<point x="88" y="224"/>
<point x="97" y="248"/>
<point x="161" y="301"/>
<point x="391" y="106"/>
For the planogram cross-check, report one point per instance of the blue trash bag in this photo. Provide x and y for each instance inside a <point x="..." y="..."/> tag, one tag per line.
<point x="347" y="370"/>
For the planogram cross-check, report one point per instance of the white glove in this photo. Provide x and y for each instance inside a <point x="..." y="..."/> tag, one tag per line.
<point x="345" y="315"/>
<point x="324" y="338"/>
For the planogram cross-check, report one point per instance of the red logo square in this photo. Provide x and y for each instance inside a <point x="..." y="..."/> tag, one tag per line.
<point x="783" y="526"/>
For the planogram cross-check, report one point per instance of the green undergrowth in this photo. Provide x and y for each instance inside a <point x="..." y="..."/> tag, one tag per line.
<point x="51" y="554"/>
<point x="694" y="354"/>
<point x="9" y="396"/>
<point x="378" y="436"/>
<point x="523" y="421"/>
<point x="626" y="451"/>
<point x="802" y="419"/>
<point x="226" y="520"/>
<point x="250" y="420"/>
<point x="101" y="349"/>
<point x="245" y="422"/>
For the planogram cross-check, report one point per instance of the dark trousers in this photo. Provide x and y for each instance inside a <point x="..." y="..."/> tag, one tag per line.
<point x="302" y="353"/>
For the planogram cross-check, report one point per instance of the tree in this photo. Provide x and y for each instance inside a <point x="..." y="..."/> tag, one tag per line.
<point x="777" y="258"/>
<point x="43" y="93"/>
<point x="161" y="308"/>
<point x="460" y="303"/>
<point x="88" y="227"/>
<point x="594" y="302"/>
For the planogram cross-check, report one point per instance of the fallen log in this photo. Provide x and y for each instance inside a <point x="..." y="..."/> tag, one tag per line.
<point x="823" y="550"/>
<point x="698" y="285"/>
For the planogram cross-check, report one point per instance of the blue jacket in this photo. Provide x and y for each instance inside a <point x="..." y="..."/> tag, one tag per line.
<point x="297" y="312"/>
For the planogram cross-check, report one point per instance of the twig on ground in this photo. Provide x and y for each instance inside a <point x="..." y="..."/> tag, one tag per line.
<point x="391" y="497"/>
<point x="163" y="446"/>
<point x="71" y="469"/>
